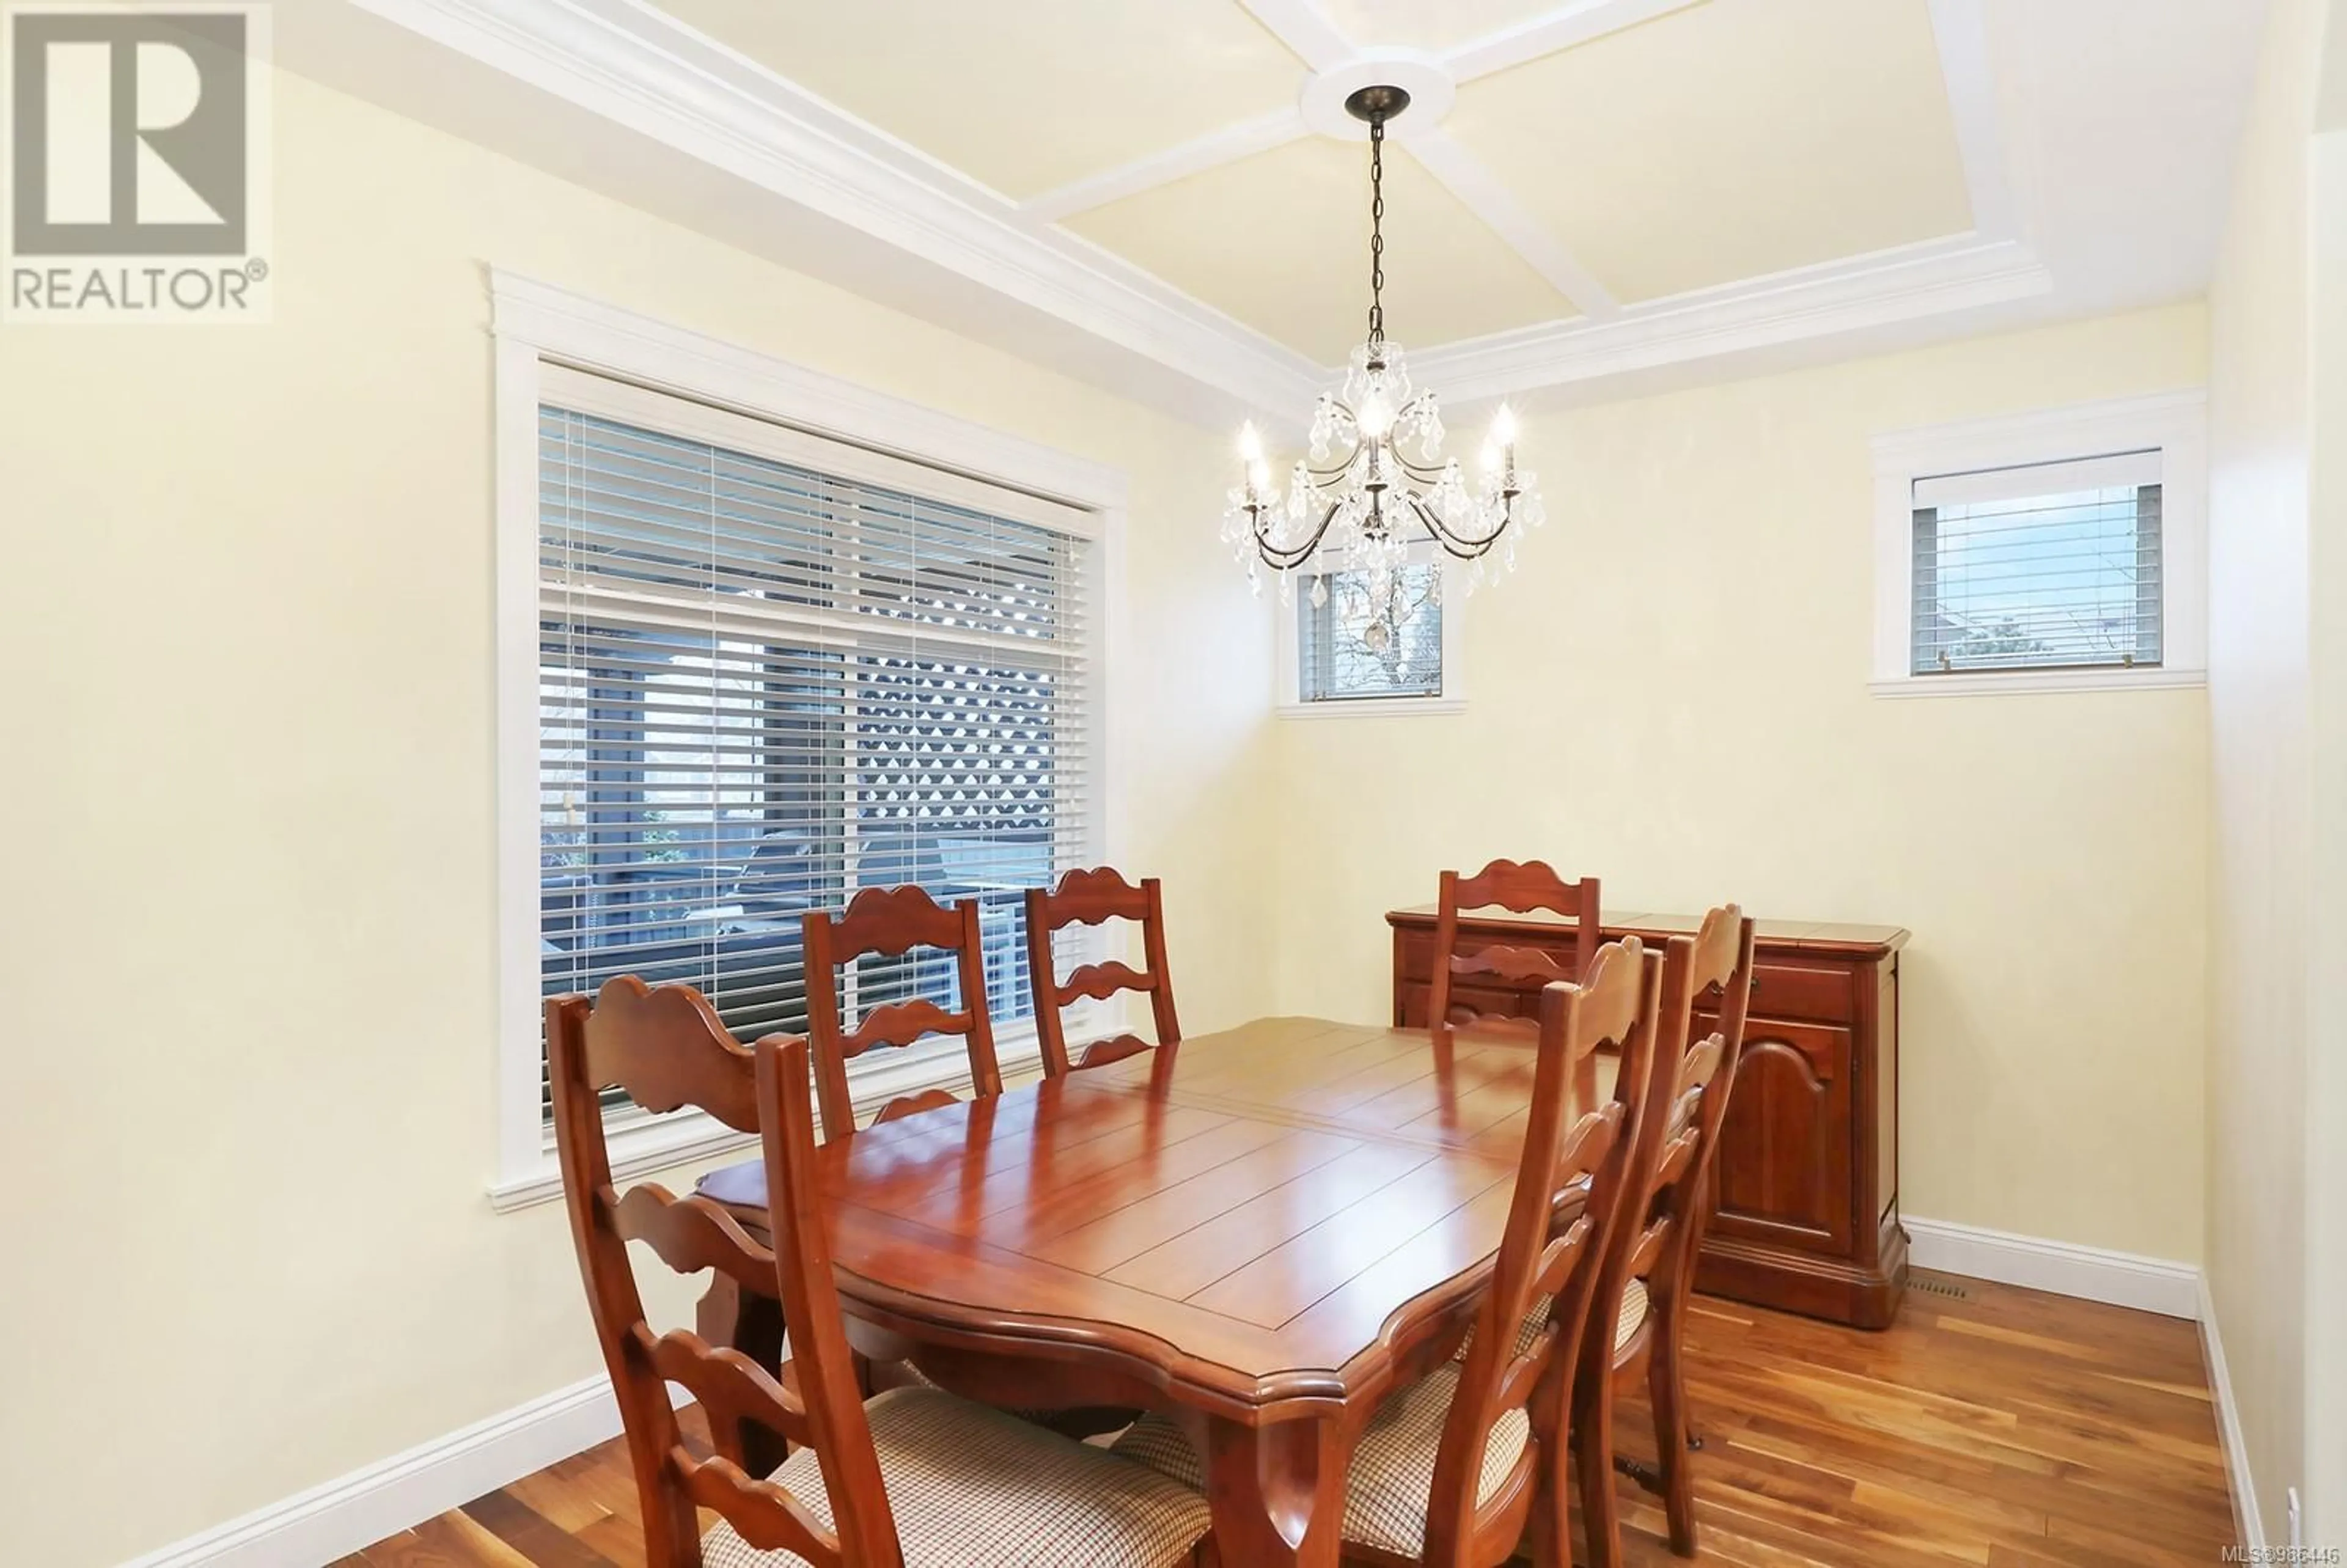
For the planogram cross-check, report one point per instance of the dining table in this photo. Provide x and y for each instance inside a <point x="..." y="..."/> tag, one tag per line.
<point x="1260" y="1232"/>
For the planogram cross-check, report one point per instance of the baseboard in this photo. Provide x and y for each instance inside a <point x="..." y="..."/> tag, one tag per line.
<point x="2248" y="1524"/>
<point x="2064" y="1268"/>
<point x="357" y="1510"/>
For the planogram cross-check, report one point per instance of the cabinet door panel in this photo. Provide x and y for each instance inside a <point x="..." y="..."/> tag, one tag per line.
<point x="1783" y="1172"/>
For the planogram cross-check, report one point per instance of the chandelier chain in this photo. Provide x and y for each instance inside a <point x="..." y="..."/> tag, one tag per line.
<point x="1377" y="231"/>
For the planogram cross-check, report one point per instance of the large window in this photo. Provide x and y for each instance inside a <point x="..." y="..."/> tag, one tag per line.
<point x="2056" y="550"/>
<point x="773" y="669"/>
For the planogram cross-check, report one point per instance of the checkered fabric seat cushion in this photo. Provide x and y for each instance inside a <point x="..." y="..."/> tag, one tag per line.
<point x="1393" y="1465"/>
<point x="1626" y="1322"/>
<point x="975" y="1488"/>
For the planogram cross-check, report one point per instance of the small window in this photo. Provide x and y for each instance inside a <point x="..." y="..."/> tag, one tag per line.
<point x="2052" y="566"/>
<point x="1351" y="646"/>
<point x="1355" y="644"/>
<point x="2060" y="550"/>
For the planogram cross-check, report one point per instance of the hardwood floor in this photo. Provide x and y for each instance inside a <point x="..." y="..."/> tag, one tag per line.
<point x="2002" y="1427"/>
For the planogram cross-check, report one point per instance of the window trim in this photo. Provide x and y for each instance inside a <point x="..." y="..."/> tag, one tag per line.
<point x="2175" y="424"/>
<point x="536" y="324"/>
<point x="1288" y="701"/>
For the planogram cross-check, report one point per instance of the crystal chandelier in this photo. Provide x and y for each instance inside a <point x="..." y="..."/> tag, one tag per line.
<point x="1361" y="495"/>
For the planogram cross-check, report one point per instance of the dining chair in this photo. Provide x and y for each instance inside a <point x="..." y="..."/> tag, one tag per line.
<point x="1648" y="1269"/>
<point x="1451" y="1469"/>
<point x="1521" y="889"/>
<point x="1089" y="899"/>
<point x="889" y="922"/>
<point x="913" y="1478"/>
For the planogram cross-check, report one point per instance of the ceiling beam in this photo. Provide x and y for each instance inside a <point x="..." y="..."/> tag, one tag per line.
<point x="1960" y="28"/>
<point x="1480" y="192"/>
<point x="1304" y="29"/>
<point x="1211" y="150"/>
<point x="1563" y="28"/>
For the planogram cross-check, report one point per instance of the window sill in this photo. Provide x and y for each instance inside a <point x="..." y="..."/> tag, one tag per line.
<point x="2018" y="682"/>
<point x="1371" y="707"/>
<point x="657" y="1143"/>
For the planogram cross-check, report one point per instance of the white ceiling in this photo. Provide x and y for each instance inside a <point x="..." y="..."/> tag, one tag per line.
<point x="1587" y="195"/>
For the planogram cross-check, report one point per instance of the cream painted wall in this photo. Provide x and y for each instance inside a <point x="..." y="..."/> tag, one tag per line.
<point x="247" y="968"/>
<point x="2326" y="1052"/>
<point x="1672" y="694"/>
<point x="2261" y="835"/>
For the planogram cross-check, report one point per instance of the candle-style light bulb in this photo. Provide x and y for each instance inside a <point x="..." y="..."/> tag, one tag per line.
<point x="1504" y="427"/>
<point x="1250" y="445"/>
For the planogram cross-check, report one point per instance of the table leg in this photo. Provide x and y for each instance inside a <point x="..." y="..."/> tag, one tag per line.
<point x="751" y="1322"/>
<point x="1277" y="1492"/>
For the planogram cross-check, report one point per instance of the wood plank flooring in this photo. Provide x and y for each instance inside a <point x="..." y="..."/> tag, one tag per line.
<point x="2005" y="1428"/>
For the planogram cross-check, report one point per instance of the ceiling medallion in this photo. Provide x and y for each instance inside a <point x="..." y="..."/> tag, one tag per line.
<point x="1360" y="496"/>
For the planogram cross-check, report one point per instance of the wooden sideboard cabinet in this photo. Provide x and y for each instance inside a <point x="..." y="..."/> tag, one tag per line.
<point x="1805" y="1190"/>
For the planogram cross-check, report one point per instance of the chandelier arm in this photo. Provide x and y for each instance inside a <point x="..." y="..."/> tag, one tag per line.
<point x="1468" y="547"/>
<point x="1286" y="558"/>
<point x="1450" y="543"/>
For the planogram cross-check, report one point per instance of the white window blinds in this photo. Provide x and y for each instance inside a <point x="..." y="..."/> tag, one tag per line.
<point x="773" y="669"/>
<point x="1353" y="645"/>
<point x="2051" y="566"/>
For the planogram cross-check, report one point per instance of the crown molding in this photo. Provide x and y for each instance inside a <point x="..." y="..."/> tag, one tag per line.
<point x="648" y="73"/>
<point x="632" y="65"/>
<point x="1876" y="290"/>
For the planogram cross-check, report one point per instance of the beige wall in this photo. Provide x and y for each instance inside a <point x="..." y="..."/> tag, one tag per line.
<point x="2326" y="1063"/>
<point x="247" y="968"/>
<point x="2262" y="844"/>
<point x="1672" y="694"/>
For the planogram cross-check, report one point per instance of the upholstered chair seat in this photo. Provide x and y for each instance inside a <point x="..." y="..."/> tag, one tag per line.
<point x="973" y="1487"/>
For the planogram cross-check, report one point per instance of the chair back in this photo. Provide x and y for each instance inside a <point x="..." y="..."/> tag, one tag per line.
<point x="1089" y="899"/>
<point x="1685" y="1099"/>
<point x="1543" y="1256"/>
<point x="1521" y="889"/>
<point x="666" y="1049"/>
<point x="889" y="922"/>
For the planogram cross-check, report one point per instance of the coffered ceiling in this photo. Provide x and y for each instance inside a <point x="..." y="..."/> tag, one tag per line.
<point x="1581" y="190"/>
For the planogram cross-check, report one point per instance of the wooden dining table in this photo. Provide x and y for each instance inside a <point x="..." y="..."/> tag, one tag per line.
<point x="1260" y="1232"/>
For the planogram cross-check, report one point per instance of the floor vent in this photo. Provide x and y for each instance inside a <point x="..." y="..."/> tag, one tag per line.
<point x="1937" y="1285"/>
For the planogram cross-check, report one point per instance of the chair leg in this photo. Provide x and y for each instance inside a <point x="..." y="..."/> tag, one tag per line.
<point x="1550" y="1535"/>
<point x="1593" y="1446"/>
<point x="1666" y="1390"/>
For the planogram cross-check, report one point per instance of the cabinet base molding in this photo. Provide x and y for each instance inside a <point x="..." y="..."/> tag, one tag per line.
<point x="1863" y="1295"/>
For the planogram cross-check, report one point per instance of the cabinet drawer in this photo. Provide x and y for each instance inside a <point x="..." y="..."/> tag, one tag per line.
<point x="1825" y="993"/>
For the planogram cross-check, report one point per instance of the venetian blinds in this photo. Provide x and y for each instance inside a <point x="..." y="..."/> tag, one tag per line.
<point x="2051" y="566"/>
<point x="775" y="668"/>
